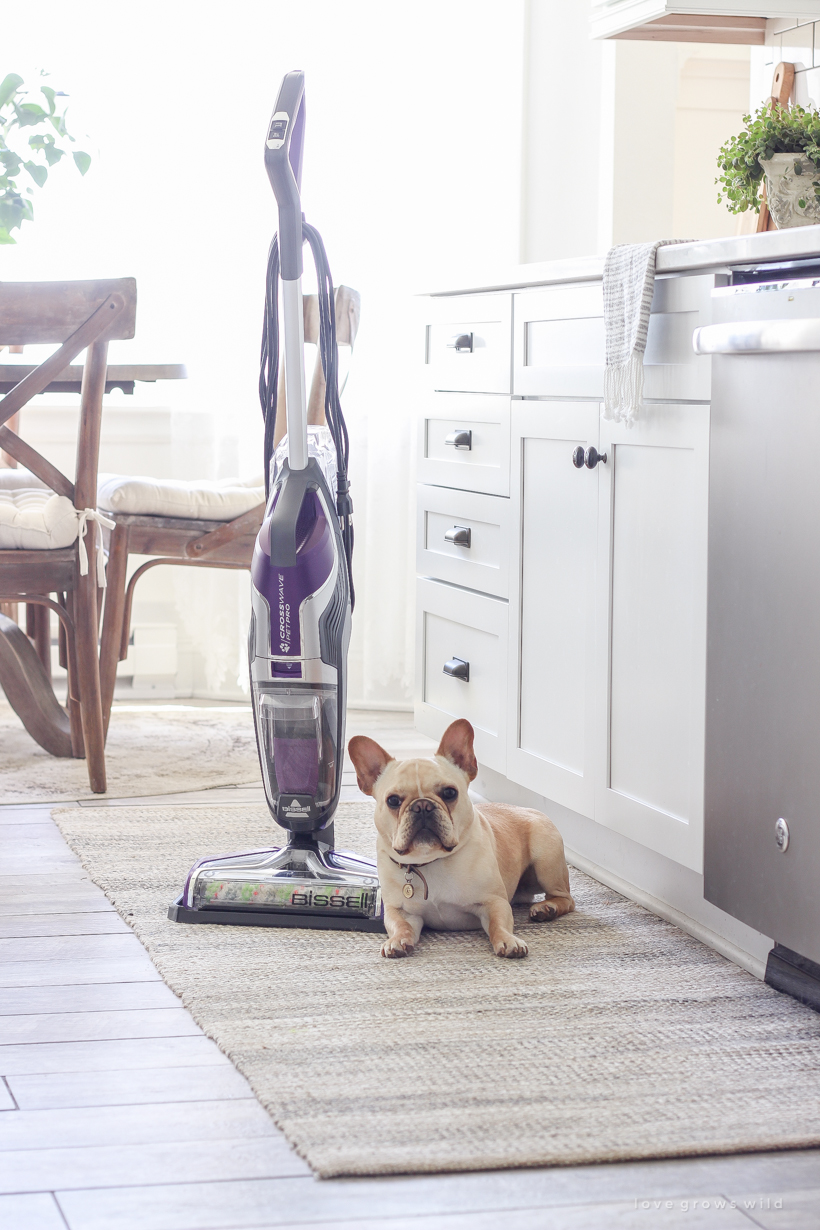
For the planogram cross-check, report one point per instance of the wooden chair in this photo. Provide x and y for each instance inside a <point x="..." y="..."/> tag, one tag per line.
<point x="81" y="316"/>
<point x="187" y="542"/>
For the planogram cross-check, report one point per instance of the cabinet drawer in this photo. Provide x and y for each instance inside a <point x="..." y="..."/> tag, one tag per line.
<point x="468" y="633"/>
<point x="559" y="342"/>
<point x="468" y="339"/>
<point x="465" y="442"/>
<point x="558" y="347"/>
<point x="671" y="369"/>
<point x="464" y="538"/>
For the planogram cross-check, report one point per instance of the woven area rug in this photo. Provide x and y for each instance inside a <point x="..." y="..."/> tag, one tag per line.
<point x="618" y="1037"/>
<point x="151" y="749"/>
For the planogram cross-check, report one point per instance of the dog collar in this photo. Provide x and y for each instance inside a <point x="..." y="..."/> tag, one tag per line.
<point x="409" y="870"/>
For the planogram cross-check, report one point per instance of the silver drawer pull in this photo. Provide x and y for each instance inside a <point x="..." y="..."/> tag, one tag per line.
<point x="457" y="668"/>
<point x="460" y="438"/>
<point x="461" y="343"/>
<point x="459" y="535"/>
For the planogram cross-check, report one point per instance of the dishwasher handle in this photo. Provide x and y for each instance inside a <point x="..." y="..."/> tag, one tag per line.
<point x="758" y="337"/>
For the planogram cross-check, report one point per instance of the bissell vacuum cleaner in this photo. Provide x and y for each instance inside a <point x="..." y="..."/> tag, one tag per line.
<point x="302" y="599"/>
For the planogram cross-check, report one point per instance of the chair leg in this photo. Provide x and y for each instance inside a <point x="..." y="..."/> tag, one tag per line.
<point x="68" y="660"/>
<point x="42" y="634"/>
<point x="88" y="669"/>
<point x="112" y="618"/>
<point x="29" y="692"/>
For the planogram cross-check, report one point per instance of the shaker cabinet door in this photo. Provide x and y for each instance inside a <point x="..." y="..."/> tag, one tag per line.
<point x="554" y="507"/>
<point x="651" y="617"/>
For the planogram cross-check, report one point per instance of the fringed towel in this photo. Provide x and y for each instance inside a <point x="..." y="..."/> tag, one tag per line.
<point x="629" y="283"/>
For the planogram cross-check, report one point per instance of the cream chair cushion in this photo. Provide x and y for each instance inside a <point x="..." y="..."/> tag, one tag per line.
<point x="11" y="479"/>
<point x="203" y="500"/>
<point x="35" y="519"/>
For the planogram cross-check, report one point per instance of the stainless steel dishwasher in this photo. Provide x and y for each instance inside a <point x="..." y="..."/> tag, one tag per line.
<point x="762" y="782"/>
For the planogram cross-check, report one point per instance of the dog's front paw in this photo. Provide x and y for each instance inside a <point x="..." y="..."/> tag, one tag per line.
<point x="397" y="948"/>
<point x="543" y="911"/>
<point x="512" y="946"/>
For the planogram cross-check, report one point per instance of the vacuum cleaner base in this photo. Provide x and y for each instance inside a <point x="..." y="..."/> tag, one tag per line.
<point x="258" y="918"/>
<point x="305" y="883"/>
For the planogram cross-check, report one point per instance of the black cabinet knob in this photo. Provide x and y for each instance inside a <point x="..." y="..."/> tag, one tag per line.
<point x="457" y="668"/>
<point x="593" y="457"/>
<point x="578" y="457"/>
<point x="462" y="343"/>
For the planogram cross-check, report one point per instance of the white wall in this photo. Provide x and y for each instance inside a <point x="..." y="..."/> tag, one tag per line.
<point x="412" y="165"/>
<point x="564" y="131"/>
<point x="439" y="137"/>
<point x="621" y="138"/>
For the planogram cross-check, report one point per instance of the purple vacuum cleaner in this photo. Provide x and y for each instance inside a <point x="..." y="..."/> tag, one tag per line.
<point x="302" y="599"/>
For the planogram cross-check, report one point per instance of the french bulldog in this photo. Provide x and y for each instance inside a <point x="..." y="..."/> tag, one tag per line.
<point x="448" y="863"/>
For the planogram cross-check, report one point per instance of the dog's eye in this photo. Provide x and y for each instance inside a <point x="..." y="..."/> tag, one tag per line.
<point x="393" y="801"/>
<point x="448" y="794"/>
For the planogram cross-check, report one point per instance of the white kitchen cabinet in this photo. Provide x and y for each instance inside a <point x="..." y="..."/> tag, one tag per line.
<point x="465" y="442"/>
<point x="558" y="342"/>
<point x="461" y="665"/>
<point x="587" y="687"/>
<point x="464" y="538"/>
<point x="693" y="21"/>
<point x="551" y="667"/>
<point x="468" y="343"/>
<point x="651" y="628"/>
<point x="559" y="345"/>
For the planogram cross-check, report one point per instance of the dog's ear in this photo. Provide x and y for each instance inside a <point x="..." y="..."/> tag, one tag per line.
<point x="369" y="761"/>
<point x="457" y="746"/>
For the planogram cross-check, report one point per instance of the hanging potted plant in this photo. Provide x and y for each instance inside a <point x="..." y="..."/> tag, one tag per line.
<point x="32" y="139"/>
<point x="783" y="145"/>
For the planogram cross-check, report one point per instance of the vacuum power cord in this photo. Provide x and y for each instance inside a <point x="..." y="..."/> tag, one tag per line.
<point x="328" y="349"/>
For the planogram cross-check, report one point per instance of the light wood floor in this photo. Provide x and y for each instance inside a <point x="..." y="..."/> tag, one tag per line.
<point x="116" y="1113"/>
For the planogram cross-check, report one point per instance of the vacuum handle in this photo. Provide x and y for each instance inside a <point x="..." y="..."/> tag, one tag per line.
<point x="283" y="162"/>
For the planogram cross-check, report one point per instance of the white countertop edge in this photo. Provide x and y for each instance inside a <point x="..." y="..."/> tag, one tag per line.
<point x="700" y="255"/>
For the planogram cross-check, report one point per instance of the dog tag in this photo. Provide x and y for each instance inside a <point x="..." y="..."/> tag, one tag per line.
<point x="408" y="890"/>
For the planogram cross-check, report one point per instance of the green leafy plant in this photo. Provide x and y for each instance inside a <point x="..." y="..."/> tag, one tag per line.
<point x="38" y="131"/>
<point x="775" y="130"/>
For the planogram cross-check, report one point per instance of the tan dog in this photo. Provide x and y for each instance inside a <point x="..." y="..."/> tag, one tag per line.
<point x="451" y="865"/>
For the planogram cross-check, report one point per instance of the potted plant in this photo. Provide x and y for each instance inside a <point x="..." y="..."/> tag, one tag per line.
<point x="783" y="145"/>
<point x="38" y="131"/>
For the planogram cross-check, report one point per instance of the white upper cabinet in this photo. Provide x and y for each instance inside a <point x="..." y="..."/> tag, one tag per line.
<point x="682" y="21"/>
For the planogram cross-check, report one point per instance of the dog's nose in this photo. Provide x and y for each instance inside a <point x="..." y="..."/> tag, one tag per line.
<point x="422" y="807"/>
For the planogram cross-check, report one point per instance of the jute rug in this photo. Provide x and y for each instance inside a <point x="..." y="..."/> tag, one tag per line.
<point x="618" y="1037"/>
<point x="160" y="749"/>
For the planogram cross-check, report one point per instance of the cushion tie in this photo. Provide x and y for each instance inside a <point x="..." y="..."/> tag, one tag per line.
<point x="84" y="516"/>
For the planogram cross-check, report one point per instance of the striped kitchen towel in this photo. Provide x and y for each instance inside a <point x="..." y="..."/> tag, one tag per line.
<point x="629" y="284"/>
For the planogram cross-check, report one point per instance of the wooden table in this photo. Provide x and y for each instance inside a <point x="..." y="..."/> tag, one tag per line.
<point x="118" y="376"/>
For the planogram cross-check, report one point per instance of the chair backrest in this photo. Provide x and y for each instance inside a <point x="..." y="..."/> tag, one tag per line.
<point x="37" y="312"/>
<point x="82" y="316"/>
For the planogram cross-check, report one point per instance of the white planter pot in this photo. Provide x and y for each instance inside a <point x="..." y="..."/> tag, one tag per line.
<point x="790" y="195"/>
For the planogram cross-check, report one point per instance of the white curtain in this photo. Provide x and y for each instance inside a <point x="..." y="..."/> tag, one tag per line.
<point x="412" y="167"/>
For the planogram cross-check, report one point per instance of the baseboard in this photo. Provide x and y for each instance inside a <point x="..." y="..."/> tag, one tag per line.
<point x="794" y="975"/>
<point x="690" y="925"/>
<point x="381" y="706"/>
